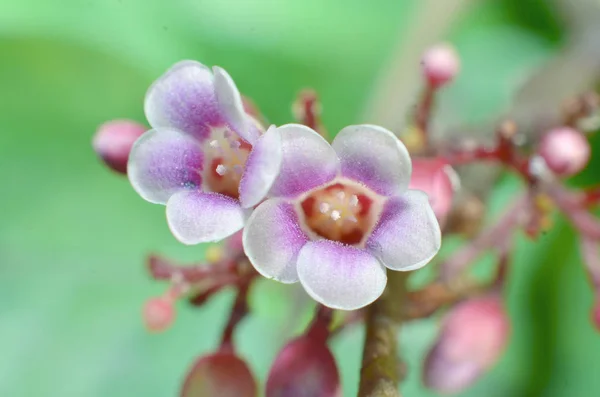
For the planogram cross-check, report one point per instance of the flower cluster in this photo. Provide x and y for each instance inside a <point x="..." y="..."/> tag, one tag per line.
<point x="335" y="216"/>
<point x="332" y="217"/>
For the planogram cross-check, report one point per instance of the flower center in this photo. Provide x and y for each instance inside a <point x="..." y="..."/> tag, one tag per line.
<point x="226" y="154"/>
<point x="343" y="211"/>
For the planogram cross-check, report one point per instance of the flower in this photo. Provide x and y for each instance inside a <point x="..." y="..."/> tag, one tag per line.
<point x="565" y="150"/>
<point x="338" y="215"/>
<point x="473" y="337"/>
<point x="438" y="179"/>
<point x="304" y="367"/>
<point x="113" y="141"/>
<point x="194" y="157"/>
<point x="221" y="374"/>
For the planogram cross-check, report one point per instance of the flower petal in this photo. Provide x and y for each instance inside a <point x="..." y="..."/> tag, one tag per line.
<point x="262" y="168"/>
<point x="407" y="235"/>
<point x="374" y="156"/>
<point x="163" y="162"/>
<point x="197" y="217"/>
<point x="272" y="240"/>
<point x="184" y="98"/>
<point x="231" y="107"/>
<point x="308" y="161"/>
<point x="340" y="276"/>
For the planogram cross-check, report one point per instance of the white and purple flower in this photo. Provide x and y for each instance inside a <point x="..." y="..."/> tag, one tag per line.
<point x="194" y="157"/>
<point x="338" y="215"/>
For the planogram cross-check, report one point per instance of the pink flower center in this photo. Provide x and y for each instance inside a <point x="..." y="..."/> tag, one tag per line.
<point x="225" y="158"/>
<point x="343" y="211"/>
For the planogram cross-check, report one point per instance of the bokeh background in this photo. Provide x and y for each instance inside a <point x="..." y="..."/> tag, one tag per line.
<point x="74" y="236"/>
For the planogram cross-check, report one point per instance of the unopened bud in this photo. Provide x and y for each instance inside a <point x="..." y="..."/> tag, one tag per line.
<point x="113" y="142"/>
<point x="440" y="64"/>
<point x="305" y="367"/>
<point x="158" y="314"/>
<point x="221" y="374"/>
<point x="438" y="179"/>
<point x="595" y="314"/>
<point x="472" y="338"/>
<point x="565" y="150"/>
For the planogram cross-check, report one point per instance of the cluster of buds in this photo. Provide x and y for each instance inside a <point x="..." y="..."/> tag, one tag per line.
<point x="339" y="218"/>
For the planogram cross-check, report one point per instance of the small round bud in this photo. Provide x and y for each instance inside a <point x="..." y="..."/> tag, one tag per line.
<point x="304" y="367"/>
<point x="595" y="314"/>
<point x="158" y="314"/>
<point x="565" y="150"/>
<point x="472" y="338"/>
<point x="221" y="374"/>
<point x="440" y="64"/>
<point x="113" y="142"/>
<point x="438" y="179"/>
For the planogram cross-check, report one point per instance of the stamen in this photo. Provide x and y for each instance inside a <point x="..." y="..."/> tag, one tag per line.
<point x="214" y="144"/>
<point x="324" y="208"/>
<point x="341" y="195"/>
<point x="221" y="169"/>
<point x="335" y="215"/>
<point x="354" y="200"/>
<point x="351" y="218"/>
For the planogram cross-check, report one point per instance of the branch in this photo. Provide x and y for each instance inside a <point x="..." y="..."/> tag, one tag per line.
<point x="379" y="375"/>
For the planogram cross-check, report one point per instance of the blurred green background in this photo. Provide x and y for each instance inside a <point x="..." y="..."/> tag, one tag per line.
<point x="74" y="236"/>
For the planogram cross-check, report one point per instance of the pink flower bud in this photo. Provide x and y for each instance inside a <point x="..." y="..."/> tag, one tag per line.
<point x="438" y="179"/>
<point x="472" y="338"/>
<point x="304" y="367"/>
<point x="595" y="314"/>
<point x="158" y="314"/>
<point x="113" y="142"/>
<point x="221" y="374"/>
<point x="440" y="64"/>
<point x="565" y="150"/>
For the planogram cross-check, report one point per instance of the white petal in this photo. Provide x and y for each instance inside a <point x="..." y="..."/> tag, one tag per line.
<point x="340" y="276"/>
<point x="272" y="240"/>
<point x="374" y="156"/>
<point x="308" y="161"/>
<point x="196" y="217"/>
<point x="262" y="168"/>
<point x="407" y="235"/>
<point x="231" y="106"/>
<point x="163" y="162"/>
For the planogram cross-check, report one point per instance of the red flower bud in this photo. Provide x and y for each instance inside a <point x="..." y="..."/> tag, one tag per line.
<point x="221" y="374"/>
<point x="304" y="368"/>
<point x="113" y="142"/>
<point x="472" y="338"/>
<point x="440" y="64"/>
<point x="565" y="150"/>
<point x="438" y="179"/>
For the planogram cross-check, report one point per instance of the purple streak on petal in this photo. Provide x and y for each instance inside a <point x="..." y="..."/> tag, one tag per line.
<point x="407" y="235"/>
<point x="374" y="156"/>
<point x="262" y="168"/>
<point x="340" y="276"/>
<point x="195" y="217"/>
<point x="184" y="98"/>
<point x="272" y="240"/>
<point x="163" y="162"/>
<point x="308" y="161"/>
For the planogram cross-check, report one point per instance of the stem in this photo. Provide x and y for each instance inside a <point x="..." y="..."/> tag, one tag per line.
<point x="238" y="312"/>
<point x="164" y="269"/>
<point x="379" y="375"/>
<point x="423" y="112"/>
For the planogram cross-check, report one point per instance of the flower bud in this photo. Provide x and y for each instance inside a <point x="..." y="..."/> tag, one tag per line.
<point x="565" y="150"/>
<point x="440" y="64"/>
<point x="113" y="142"/>
<point x="595" y="314"/>
<point x="439" y="180"/>
<point x="158" y="314"/>
<point x="221" y="374"/>
<point x="472" y="338"/>
<point x="305" y="367"/>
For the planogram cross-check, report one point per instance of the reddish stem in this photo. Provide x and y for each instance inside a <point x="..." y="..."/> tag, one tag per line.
<point x="319" y="329"/>
<point x="164" y="269"/>
<point x="574" y="210"/>
<point x="591" y="197"/>
<point x="590" y="254"/>
<point x="423" y="112"/>
<point x="238" y="312"/>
